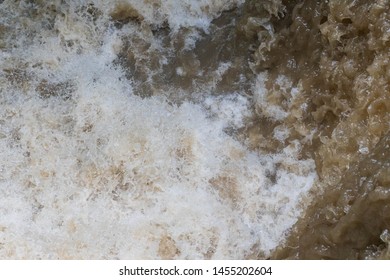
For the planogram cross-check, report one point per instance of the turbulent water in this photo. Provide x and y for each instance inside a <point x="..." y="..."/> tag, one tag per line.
<point x="203" y="129"/>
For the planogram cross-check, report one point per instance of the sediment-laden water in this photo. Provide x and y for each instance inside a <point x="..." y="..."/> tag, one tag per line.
<point x="225" y="129"/>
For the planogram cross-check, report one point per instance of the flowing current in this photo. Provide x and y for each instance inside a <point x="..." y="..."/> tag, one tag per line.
<point x="194" y="129"/>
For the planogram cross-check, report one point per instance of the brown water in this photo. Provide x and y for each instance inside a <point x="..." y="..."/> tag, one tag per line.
<point x="337" y="53"/>
<point x="263" y="123"/>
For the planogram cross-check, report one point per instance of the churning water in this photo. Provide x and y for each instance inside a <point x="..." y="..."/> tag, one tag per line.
<point x="229" y="129"/>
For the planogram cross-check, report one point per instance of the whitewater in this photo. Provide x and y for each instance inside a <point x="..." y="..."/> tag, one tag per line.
<point x="101" y="159"/>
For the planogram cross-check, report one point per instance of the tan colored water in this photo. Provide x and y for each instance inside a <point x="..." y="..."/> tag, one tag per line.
<point x="337" y="54"/>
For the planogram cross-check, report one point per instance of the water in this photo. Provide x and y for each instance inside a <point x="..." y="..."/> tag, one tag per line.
<point x="193" y="129"/>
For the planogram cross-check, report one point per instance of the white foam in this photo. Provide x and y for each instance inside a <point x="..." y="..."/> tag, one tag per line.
<point x="103" y="173"/>
<point x="231" y="109"/>
<point x="182" y="13"/>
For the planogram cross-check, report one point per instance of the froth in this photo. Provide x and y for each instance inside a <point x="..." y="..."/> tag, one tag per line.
<point x="176" y="14"/>
<point x="91" y="170"/>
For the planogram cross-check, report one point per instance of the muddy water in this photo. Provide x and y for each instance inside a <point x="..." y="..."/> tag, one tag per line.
<point x="194" y="130"/>
<point x="338" y="54"/>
